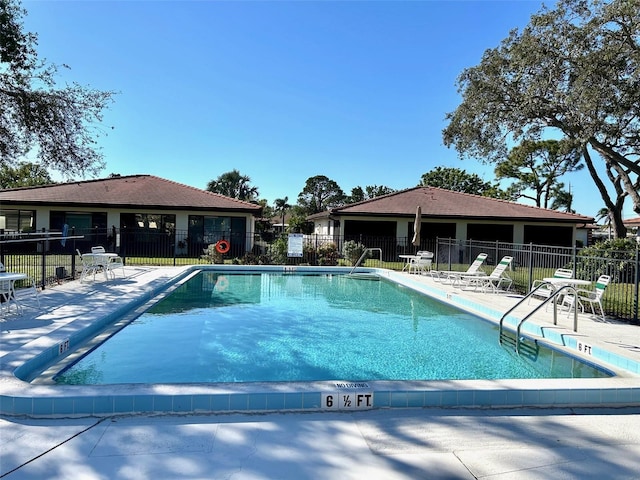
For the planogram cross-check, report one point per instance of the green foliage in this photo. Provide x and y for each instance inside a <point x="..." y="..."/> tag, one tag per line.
<point x="562" y="199"/>
<point x="536" y="167"/>
<point x="358" y="194"/>
<point x="251" y="258"/>
<point x="352" y="251"/>
<point x="281" y="207"/>
<point x="328" y="254"/>
<point x="277" y="251"/>
<point x="319" y="194"/>
<point x="24" y="175"/>
<point x="58" y="123"/>
<point x="571" y="72"/>
<point x="459" y="180"/>
<point x="211" y="255"/>
<point x="299" y="224"/>
<point x="267" y="211"/>
<point x="615" y="257"/>
<point x="234" y="185"/>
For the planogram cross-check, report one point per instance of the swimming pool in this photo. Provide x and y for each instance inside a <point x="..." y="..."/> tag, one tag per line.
<point x="76" y="314"/>
<point x="275" y="327"/>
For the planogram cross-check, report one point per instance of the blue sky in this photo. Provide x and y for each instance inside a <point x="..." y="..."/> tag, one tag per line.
<point x="281" y="91"/>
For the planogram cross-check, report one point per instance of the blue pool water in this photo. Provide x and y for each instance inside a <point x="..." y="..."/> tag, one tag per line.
<point x="221" y="327"/>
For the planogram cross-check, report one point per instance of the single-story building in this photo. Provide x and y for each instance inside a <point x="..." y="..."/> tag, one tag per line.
<point x="135" y="205"/>
<point x="633" y="227"/>
<point x="632" y="223"/>
<point x="455" y="215"/>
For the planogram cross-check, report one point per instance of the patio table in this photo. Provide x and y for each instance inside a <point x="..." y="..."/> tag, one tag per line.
<point x="12" y="278"/>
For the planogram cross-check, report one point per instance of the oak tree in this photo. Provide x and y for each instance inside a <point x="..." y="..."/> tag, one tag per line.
<point x="573" y="71"/>
<point x="58" y="125"/>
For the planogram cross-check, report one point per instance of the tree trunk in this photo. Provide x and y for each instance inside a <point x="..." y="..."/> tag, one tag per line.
<point x="617" y="162"/>
<point x="615" y="209"/>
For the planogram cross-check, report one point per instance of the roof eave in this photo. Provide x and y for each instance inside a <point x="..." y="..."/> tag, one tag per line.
<point x="127" y="206"/>
<point x="458" y="217"/>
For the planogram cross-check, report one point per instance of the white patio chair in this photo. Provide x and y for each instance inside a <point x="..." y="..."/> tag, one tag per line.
<point x="422" y="262"/>
<point x="545" y="292"/>
<point x="89" y="266"/>
<point x="6" y="293"/>
<point x="112" y="264"/>
<point x="591" y="297"/>
<point x="32" y="289"/>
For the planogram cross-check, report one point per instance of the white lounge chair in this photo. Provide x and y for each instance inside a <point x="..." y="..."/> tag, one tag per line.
<point x="452" y="275"/>
<point x="592" y="297"/>
<point x="495" y="281"/>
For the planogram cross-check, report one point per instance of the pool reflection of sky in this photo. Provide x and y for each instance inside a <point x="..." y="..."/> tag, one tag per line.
<point x="272" y="327"/>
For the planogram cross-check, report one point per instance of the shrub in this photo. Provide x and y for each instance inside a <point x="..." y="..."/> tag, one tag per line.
<point x="352" y="251"/>
<point x="277" y="251"/>
<point x="616" y="257"/>
<point x="211" y="255"/>
<point x="328" y="254"/>
<point x="251" y="258"/>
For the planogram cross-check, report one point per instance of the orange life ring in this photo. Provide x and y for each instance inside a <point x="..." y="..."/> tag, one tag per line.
<point x="222" y="246"/>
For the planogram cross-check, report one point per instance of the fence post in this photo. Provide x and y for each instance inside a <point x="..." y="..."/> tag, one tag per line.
<point x="530" y="266"/>
<point x="637" y="282"/>
<point x="43" y="262"/>
<point x="73" y="254"/>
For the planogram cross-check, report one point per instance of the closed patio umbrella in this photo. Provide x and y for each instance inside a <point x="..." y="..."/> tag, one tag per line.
<point x="416" y="227"/>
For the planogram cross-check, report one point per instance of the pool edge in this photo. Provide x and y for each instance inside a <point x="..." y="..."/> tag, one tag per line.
<point x="19" y="398"/>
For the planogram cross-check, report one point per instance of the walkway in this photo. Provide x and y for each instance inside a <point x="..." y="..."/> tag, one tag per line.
<point x="378" y="444"/>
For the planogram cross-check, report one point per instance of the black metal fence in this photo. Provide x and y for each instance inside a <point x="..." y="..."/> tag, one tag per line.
<point x="50" y="258"/>
<point x="531" y="262"/>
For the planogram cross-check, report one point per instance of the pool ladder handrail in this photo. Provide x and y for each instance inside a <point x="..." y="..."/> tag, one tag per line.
<point x="364" y="255"/>
<point x="554" y="296"/>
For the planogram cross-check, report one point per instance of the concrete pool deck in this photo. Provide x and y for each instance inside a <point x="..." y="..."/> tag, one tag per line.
<point x="555" y="442"/>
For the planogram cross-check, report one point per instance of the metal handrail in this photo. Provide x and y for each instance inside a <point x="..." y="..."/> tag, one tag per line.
<point x="363" y="256"/>
<point x="554" y="296"/>
<point x="40" y="238"/>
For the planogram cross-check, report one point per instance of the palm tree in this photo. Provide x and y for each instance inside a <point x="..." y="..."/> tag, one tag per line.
<point x="282" y="206"/>
<point x="563" y="199"/>
<point x="601" y="215"/>
<point x="233" y="184"/>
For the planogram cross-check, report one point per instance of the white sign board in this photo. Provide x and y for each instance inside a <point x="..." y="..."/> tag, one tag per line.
<point x="295" y="245"/>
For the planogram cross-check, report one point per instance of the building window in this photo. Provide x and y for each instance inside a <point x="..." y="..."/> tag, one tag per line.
<point x="91" y="226"/>
<point x="205" y="230"/>
<point x="149" y="222"/>
<point x="147" y="234"/>
<point x="17" y="221"/>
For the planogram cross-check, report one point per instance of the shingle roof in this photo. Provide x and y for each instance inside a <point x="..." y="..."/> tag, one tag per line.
<point x="440" y="203"/>
<point x="125" y="192"/>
